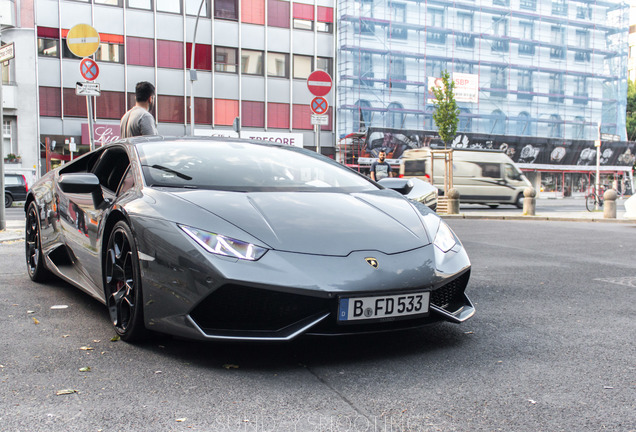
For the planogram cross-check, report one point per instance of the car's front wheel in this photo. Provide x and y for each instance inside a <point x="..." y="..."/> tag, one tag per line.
<point x="519" y="201"/>
<point x="33" y="246"/>
<point x="8" y="200"/>
<point x="122" y="284"/>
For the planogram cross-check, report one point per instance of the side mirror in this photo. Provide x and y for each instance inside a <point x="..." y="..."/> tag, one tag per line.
<point x="82" y="183"/>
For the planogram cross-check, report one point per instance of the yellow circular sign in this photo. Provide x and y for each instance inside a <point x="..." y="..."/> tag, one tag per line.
<point x="82" y="40"/>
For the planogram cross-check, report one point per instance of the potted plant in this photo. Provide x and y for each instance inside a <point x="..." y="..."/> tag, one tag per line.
<point x="13" y="158"/>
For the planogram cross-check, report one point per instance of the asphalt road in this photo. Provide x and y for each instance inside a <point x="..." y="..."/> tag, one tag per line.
<point x="551" y="348"/>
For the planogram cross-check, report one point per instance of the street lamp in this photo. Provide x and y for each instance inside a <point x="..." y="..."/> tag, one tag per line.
<point x="193" y="71"/>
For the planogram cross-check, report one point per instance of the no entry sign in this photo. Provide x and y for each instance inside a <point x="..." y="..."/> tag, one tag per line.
<point x="89" y="69"/>
<point x="319" y="83"/>
<point x="82" y="40"/>
<point x="319" y="105"/>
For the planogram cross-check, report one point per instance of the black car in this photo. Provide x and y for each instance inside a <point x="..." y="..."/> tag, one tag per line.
<point x="222" y="239"/>
<point x="15" y="188"/>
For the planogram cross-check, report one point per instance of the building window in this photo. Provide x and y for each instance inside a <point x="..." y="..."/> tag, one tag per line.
<point x="578" y="128"/>
<point x="465" y="120"/>
<point x="500" y="29"/>
<point x="74" y="106"/>
<point x="278" y="65"/>
<point x="528" y="4"/>
<point x="140" y="51"/>
<point x="395" y="116"/>
<point x="363" y="70"/>
<point x="583" y="12"/>
<point x="434" y="68"/>
<point x="397" y="72"/>
<point x="170" y="6"/>
<point x="171" y="109"/>
<point x="362" y="116"/>
<point x="398" y="19"/>
<point x="557" y="37"/>
<point x="526" y="45"/>
<point x="582" y="41"/>
<point x="139" y="4"/>
<point x="524" y="84"/>
<point x="253" y="114"/>
<point x="325" y="64"/>
<point x="499" y="77"/>
<point x="111" y="105"/>
<point x="48" y="47"/>
<point x="302" y="118"/>
<point x="110" y="52"/>
<point x="325" y="19"/>
<point x="225" y="111"/>
<point x="555" y="126"/>
<point x="192" y="8"/>
<point x="465" y="25"/>
<point x="501" y="2"/>
<point x="170" y="54"/>
<point x="278" y="115"/>
<point x="225" y="59"/>
<point x="523" y="124"/>
<point x="278" y="13"/>
<point x="303" y="16"/>
<point x="225" y="9"/>
<point x="556" y="87"/>
<point x="435" y="19"/>
<point x="50" y="102"/>
<point x="498" y="123"/>
<point x="303" y="66"/>
<point x="253" y="11"/>
<point x="580" y="90"/>
<point x="202" y="56"/>
<point x="202" y="111"/>
<point x="252" y="62"/>
<point x="559" y="7"/>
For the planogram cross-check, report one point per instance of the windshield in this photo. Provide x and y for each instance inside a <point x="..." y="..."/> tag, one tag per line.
<point x="243" y="166"/>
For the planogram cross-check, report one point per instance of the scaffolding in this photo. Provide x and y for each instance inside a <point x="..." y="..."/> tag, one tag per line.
<point x="553" y="69"/>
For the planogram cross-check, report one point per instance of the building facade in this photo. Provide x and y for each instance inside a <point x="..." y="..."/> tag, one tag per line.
<point x="550" y="73"/>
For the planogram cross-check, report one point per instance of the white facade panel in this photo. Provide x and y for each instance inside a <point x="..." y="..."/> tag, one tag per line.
<point x="169" y="27"/>
<point x="139" y="24"/>
<point x="170" y="82"/>
<point x="226" y="86"/>
<point x="226" y="33"/>
<point x="253" y="37"/>
<point x="73" y="13"/>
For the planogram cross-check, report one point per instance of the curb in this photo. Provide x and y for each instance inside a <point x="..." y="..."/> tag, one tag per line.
<point x="538" y="218"/>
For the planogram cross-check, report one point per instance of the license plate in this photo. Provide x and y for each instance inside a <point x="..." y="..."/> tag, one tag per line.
<point x="379" y="307"/>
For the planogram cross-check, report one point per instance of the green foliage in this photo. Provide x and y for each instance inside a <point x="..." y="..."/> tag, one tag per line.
<point x="631" y="111"/>
<point x="446" y="115"/>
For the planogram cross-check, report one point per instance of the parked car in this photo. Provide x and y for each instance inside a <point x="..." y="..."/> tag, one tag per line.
<point x="15" y="188"/>
<point x="225" y="239"/>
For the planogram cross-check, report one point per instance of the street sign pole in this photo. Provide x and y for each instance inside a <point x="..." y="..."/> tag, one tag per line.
<point x="598" y="169"/>
<point x="319" y="84"/>
<point x="89" y="108"/>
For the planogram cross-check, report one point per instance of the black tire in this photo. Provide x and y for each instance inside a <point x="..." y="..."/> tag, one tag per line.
<point x="493" y="206"/>
<point x="590" y="201"/>
<point x="8" y="200"/>
<point x="519" y="201"/>
<point x="122" y="284"/>
<point x="33" y="246"/>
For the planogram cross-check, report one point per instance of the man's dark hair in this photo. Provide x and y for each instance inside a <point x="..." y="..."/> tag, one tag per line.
<point x="143" y="91"/>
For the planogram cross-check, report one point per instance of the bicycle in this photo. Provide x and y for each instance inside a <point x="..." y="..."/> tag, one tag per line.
<point x="592" y="200"/>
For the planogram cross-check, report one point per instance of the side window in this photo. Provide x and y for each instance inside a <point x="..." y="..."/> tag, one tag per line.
<point x="82" y="164"/>
<point x="127" y="182"/>
<point x="111" y="167"/>
<point x="491" y="170"/>
<point x="512" y="173"/>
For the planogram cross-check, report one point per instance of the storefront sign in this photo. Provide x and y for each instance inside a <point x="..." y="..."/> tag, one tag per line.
<point x="293" y="139"/>
<point x="102" y="134"/>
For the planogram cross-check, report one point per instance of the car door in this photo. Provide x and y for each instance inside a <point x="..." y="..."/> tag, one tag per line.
<point x="85" y="219"/>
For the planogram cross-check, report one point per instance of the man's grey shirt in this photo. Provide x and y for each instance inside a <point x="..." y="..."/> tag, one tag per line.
<point x="136" y="122"/>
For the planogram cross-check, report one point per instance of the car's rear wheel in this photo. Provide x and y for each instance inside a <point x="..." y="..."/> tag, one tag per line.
<point x="8" y="200"/>
<point x="33" y="246"/>
<point x="122" y="284"/>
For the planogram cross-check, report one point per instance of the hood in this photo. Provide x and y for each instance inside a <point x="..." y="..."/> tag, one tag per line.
<point x="316" y="222"/>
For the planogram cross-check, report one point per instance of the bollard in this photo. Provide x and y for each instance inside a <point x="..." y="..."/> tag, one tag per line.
<point x="529" y="201"/>
<point x="609" y="204"/>
<point x="453" y="201"/>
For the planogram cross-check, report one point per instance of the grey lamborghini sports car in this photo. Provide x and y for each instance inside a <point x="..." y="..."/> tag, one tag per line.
<point x="221" y="239"/>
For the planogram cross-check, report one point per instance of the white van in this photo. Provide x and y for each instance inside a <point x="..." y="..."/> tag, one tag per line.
<point x="480" y="176"/>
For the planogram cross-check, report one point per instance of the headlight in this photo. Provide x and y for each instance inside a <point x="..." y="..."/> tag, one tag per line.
<point x="444" y="239"/>
<point x="226" y="246"/>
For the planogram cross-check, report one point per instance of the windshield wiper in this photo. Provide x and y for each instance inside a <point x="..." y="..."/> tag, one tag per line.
<point x="171" y="171"/>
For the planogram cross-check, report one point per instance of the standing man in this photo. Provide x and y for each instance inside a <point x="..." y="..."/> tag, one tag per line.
<point x="138" y="121"/>
<point x="380" y="169"/>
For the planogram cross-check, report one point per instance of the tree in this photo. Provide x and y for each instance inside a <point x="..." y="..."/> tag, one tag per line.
<point x="631" y="111"/>
<point x="446" y="115"/>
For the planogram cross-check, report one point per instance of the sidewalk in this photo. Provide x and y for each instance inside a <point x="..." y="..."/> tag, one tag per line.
<point x="14" y="231"/>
